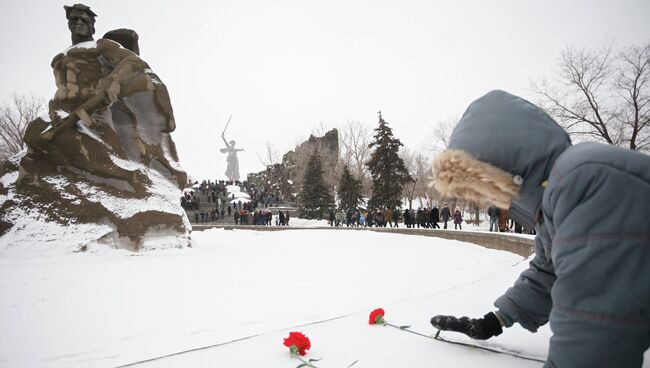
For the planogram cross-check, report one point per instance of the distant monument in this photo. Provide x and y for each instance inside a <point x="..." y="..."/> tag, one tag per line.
<point x="103" y="169"/>
<point x="232" y="170"/>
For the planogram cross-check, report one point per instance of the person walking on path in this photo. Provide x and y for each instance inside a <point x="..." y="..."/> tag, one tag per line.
<point x="424" y="217"/>
<point x="281" y="217"/>
<point x="435" y="217"/>
<point x="338" y="217"/>
<point x="445" y="213"/>
<point x="458" y="219"/>
<point x="396" y="216"/>
<point x="419" y="218"/>
<point x="493" y="213"/>
<point x="388" y="217"/>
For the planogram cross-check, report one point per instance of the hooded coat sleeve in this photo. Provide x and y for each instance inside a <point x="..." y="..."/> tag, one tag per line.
<point x="528" y="301"/>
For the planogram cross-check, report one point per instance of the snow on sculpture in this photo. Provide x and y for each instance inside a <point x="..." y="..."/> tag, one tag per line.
<point x="103" y="168"/>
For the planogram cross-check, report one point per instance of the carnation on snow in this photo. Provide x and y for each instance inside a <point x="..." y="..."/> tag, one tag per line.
<point x="297" y="341"/>
<point x="376" y="317"/>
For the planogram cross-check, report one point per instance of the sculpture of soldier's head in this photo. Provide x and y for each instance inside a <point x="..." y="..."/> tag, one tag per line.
<point x="81" y="22"/>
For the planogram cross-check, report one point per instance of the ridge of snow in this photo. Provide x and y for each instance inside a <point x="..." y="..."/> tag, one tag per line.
<point x="162" y="196"/>
<point x="81" y="45"/>
<point x="126" y="164"/>
<point x="167" y="155"/>
<point x="82" y="128"/>
<point x="33" y="236"/>
<point x="60" y="183"/>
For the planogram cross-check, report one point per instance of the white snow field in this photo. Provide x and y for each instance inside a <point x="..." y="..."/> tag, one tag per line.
<point x="107" y="308"/>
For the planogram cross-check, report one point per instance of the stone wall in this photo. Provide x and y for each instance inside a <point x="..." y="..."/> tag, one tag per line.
<point x="515" y="244"/>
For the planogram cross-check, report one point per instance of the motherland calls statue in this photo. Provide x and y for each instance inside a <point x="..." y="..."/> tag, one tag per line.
<point x="104" y="168"/>
<point x="232" y="170"/>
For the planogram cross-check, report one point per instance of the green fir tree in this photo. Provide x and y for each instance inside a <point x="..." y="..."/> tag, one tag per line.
<point x="387" y="168"/>
<point x="349" y="191"/>
<point x="316" y="200"/>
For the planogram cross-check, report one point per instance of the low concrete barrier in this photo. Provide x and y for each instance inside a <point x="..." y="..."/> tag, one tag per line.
<point x="515" y="244"/>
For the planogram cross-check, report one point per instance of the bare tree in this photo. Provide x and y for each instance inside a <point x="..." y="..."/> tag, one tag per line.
<point x="320" y="129"/>
<point x="271" y="156"/>
<point x="354" y="139"/>
<point x="14" y="117"/>
<point x="633" y="85"/>
<point x="601" y="95"/>
<point x="441" y="134"/>
<point x="419" y="167"/>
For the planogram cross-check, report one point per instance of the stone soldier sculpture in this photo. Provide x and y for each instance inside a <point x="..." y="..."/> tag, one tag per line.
<point x="104" y="166"/>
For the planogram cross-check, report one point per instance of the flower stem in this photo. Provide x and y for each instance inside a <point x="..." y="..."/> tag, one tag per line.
<point x="438" y="338"/>
<point x="305" y="363"/>
<point x="407" y="330"/>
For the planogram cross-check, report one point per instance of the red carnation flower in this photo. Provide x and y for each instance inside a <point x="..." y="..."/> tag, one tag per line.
<point x="297" y="343"/>
<point x="377" y="317"/>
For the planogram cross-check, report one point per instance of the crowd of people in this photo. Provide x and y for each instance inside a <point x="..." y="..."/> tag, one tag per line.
<point x="421" y="218"/>
<point x="214" y="191"/>
<point x="259" y="217"/>
<point x="256" y="211"/>
<point x="221" y="204"/>
<point x="360" y="217"/>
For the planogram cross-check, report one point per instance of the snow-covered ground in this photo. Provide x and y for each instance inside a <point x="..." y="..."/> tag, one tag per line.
<point x="107" y="309"/>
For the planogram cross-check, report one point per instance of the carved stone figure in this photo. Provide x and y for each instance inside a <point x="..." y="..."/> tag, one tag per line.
<point x="81" y="22"/>
<point x="104" y="169"/>
<point x="232" y="170"/>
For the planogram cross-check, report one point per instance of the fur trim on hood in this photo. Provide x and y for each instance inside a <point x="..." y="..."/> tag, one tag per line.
<point x="456" y="174"/>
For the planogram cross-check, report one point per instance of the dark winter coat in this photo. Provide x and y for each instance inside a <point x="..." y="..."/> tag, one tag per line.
<point x="419" y="217"/>
<point x="493" y="212"/>
<point x="370" y="218"/>
<point x="590" y="204"/>
<point x="435" y="215"/>
<point x="445" y="213"/>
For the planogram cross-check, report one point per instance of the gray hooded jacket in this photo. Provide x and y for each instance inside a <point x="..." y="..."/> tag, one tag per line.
<point x="590" y="205"/>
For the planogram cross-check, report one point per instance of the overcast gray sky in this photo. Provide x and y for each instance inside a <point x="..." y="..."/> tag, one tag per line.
<point x="283" y="67"/>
